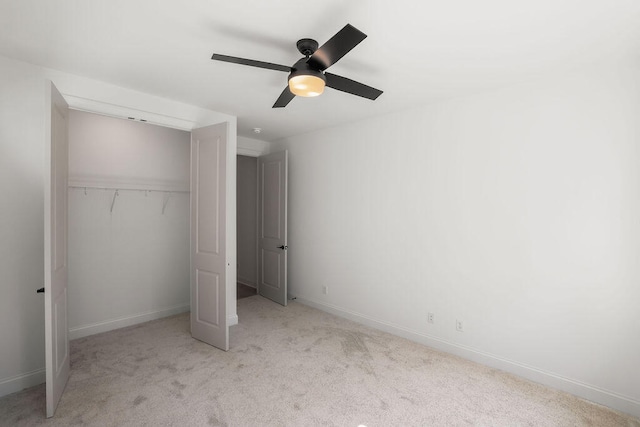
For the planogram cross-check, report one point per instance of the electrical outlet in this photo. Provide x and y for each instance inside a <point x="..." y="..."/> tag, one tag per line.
<point x="459" y="325"/>
<point x="430" y="318"/>
<point x="325" y="290"/>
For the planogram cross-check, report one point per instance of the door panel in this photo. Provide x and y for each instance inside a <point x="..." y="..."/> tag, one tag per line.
<point x="272" y="177"/>
<point x="272" y="226"/>
<point x="271" y="268"/>
<point x="208" y="291"/>
<point x="208" y="231"/>
<point x="55" y="247"/>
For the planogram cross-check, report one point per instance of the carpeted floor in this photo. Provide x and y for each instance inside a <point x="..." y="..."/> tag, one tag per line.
<point x="290" y="366"/>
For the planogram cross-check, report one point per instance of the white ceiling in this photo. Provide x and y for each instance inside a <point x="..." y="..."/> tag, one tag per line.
<point x="416" y="51"/>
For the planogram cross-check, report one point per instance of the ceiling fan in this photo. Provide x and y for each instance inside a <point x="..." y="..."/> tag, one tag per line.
<point x="307" y="77"/>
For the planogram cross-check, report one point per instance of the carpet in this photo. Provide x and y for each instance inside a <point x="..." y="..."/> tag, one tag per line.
<point x="290" y="366"/>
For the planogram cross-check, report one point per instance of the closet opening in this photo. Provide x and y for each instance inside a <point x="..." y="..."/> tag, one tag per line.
<point x="128" y="222"/>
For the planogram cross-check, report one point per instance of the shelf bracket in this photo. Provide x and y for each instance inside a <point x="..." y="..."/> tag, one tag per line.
<point x="166" y="201"/>
<point x="113" y="201"/>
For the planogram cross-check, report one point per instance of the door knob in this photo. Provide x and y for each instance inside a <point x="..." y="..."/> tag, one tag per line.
<point x="40" y="291"/>
<point x="283" y="247"/>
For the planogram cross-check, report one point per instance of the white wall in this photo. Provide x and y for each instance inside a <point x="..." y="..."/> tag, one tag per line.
<point x="21" y="226"/>
<point x="130" y="264"/>
<point x="121" y="151"/>
<point x="247" y="210"/>
<point x="515" y="211"/>
<point x="21" y="182"/>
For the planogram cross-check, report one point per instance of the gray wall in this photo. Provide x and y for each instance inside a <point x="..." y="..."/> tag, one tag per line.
<point x="247" y="194"/>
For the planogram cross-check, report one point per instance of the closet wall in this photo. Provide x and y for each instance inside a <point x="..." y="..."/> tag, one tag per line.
<point x="128" y="253"/>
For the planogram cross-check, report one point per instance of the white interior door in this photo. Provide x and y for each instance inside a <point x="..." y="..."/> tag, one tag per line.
<point x="208" y="226"/>
<point x="272" y="226"/>
<point x="55" y="246"/>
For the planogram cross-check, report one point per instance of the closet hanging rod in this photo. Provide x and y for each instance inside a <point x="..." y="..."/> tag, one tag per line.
<point x="93" y="187"/>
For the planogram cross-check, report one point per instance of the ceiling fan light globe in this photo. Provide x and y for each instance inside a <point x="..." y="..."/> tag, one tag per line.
<point x="306" y="85"/>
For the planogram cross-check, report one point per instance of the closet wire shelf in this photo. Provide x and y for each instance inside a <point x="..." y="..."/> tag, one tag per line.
<point x="116" y="192"/>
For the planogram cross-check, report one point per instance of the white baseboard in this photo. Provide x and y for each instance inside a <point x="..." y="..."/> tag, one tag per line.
<point x="122" y="322"/>
<point x="594" y="394"/>
<point x="247" y="282"/>
<point x="232" y="320"/>
<point x="22" y="381"/>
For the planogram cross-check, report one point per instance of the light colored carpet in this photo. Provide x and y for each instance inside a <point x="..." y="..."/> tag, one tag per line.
<point x="290" y="366"/>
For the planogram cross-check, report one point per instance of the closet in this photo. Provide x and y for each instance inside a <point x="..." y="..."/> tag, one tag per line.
<point x="128" y="223"/>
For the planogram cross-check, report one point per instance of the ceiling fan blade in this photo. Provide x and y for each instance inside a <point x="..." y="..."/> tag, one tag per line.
<point x="336" y="47"/>
<point x="285" y="97"/>
<point x="251" y="62"/>
<point x="351" y="86"/>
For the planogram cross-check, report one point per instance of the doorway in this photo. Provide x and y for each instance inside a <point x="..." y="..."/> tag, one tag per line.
<point x="247" y="226"/>
<point x="128" y="222"/>
<point x="146" y="230"/>
<point x="262" y="184"/>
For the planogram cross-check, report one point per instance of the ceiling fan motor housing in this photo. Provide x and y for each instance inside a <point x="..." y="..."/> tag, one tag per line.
<point x="302" y="68"/>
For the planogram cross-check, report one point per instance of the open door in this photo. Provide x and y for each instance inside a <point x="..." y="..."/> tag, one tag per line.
<point x="272" y="226"/>
<point x="208" y="226"/>
<point x="55" y="246"/>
